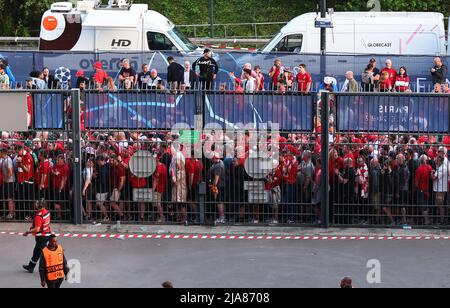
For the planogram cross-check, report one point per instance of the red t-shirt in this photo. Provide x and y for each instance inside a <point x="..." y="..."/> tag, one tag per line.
<point x="42" y="221"/>
<point x="82" y="120"/>
<point x="422" y="178"/>
<point x="303" y="80"/>
<point x="161" y="175"/>
<point x="290" y="166"/>
<point x="27" y="161"/>
<point x="401" y="83"/>
<point x="446" y="141"/>
<point x="59" y="172"/>
<point x="261" y="84"/>
<point x="43" y="169"/>
<point x="392" y="74"/>
<point x="117" y="173"/>
<point x="138" y="182"/>
<point x="386" y="85"/>
<point x="195" y="167"/>
<point x="432" y="154"/>
<point x="100" y="76"/>
<point x="318" y="176"/>
<point x="276" y="179"/>
<point x="338" y="164"/>
<point x="275" y="75"/>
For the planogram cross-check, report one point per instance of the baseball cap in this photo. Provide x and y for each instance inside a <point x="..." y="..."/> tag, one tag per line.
<point x="206" y="50"/>
<point x="79" y="73"/>
<point x="98" y="65"/>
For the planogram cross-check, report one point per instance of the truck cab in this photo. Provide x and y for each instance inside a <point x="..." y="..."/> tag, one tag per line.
<point x="388" y="33"/>
<point x="119" y="26"/>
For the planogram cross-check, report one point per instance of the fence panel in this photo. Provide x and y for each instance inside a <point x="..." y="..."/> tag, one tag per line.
<point x="221" y="157"/>
<point x="152" y="160"/>
<point x="38" y="162"/>
<point x="388" y="160"/>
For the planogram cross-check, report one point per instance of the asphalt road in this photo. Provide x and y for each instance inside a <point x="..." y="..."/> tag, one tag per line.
<point x="236" y="264"/>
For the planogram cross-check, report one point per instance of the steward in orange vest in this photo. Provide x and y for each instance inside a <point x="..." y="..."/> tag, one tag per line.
<point x="53" y="265"/>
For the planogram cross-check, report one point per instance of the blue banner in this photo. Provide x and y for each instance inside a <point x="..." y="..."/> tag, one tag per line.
<point x="23" y="62"/>
<point x="162" y="111"/>
<point x="137" y="110"/>
<point x="48" y="111"/>
<point x="290" y="112"/>
<point x="393" y="113"/>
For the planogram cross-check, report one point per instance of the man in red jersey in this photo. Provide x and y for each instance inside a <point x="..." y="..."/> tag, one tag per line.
<point x="60" y="174"/>
<point x="392" y="73"/>
<point x="42" y="175"/>
<point x="159" y="189"/>
<point x="41" y="230"/>
<point x="289" y="180"/>
<point x="194" y="169"/>
<point x="422" y="184"/>
<point x="25" y="165"/>
<point x="304" y="80"/>
<point x="275" y="73"/>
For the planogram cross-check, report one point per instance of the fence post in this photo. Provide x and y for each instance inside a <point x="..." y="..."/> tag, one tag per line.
<point x="77" y="178"/>
<point x="325" y="195"/>
<point x="202" y="201"/>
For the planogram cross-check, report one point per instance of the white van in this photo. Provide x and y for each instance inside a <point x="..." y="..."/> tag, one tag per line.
<point x="387" y="33"/>
<point x="119" y="26"/>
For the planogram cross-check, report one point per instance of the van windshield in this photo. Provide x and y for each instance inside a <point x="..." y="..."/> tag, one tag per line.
<point x="275" y="38"/>
<point x="183" y="41"/>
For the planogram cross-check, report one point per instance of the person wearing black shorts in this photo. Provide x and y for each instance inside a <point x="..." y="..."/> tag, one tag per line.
<point x="217" y="187"/>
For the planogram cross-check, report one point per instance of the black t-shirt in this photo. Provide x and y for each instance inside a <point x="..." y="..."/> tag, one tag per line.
<point x="376" y="72"/>
<point x="102" y="180"/>
<point x="127" y="72"/>
<point x="143" y="79"/>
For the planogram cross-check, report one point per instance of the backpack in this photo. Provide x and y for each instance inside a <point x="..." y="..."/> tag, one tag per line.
<point x="366" y="78"/>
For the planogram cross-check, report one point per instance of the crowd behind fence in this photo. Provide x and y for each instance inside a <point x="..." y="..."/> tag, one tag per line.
<point x="274" y="71"/>
<point x="268" y="171"/>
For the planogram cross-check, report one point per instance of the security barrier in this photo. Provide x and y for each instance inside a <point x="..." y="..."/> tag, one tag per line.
<point x="227" y="158"/>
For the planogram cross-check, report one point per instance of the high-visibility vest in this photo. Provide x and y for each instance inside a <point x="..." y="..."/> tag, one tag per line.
<point x="54" y="262"/>
<point x="45" y="226"/>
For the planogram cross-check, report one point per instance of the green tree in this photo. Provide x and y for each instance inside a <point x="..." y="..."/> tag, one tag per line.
<point x="22" y="17"/>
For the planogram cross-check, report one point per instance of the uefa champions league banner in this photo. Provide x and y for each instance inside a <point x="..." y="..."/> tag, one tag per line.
<point x="289" y="112"/>
<point x="138" y="110"/>
<point x="393" y="113"/>
<point x="162" y="111"/>
<point x="22" y="63"/>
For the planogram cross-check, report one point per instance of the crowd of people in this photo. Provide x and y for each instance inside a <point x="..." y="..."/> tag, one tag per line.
<point x="374" y="179"/>
<point x="203" y="73"/>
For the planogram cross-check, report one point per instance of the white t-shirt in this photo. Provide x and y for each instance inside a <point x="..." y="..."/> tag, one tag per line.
<point x="441" y="183"/>
<point x="87" y="174"/>
<point x="187" y="81"/>
<point x="249" y="85"/>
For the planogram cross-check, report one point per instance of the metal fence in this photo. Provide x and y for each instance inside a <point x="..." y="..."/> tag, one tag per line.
<point x="221" y="157"/>
<point x="388" y="161"/>
<point x="40" y="163"/>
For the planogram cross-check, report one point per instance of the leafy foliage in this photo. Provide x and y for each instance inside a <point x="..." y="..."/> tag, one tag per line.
<point x="22" y="17"/>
